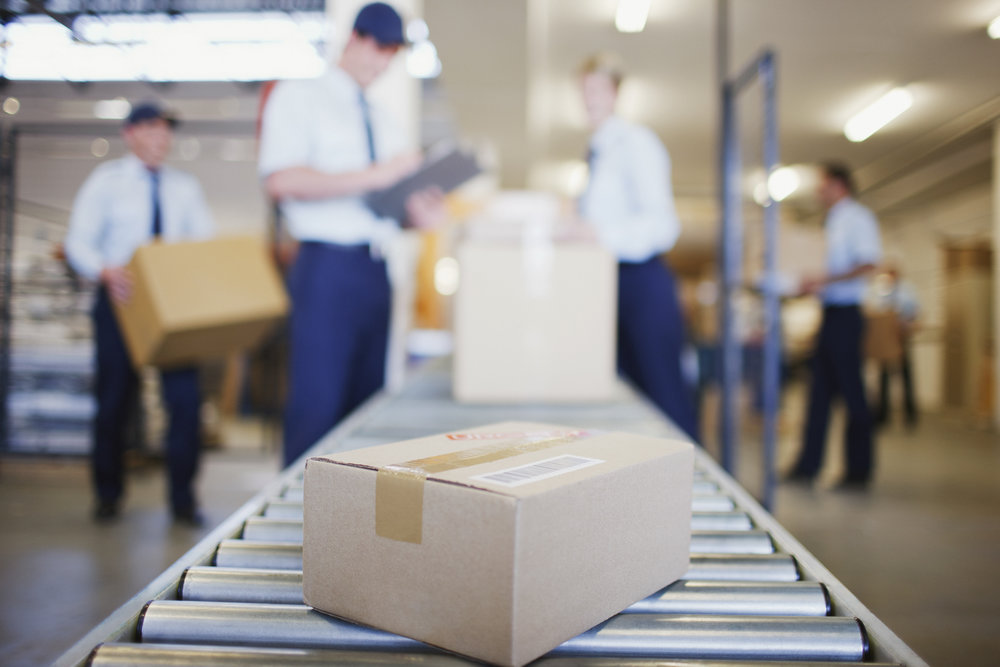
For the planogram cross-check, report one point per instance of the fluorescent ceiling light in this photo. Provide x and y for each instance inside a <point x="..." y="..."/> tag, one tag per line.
<point x="199" y="47"/>
<point x="422" y="60"/>
<point x="877" y="115"/>
<point x="631" y="15"/>
<point x="994" y="28"/>
<point x="115" y="109"/>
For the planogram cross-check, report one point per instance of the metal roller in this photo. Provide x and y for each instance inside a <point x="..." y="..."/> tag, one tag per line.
<point x="798" y="598"/>
<point x="261" y="529"/>
<point x="294" y="492"/>
<point x="264" y="529"/>
<point x="713" y="567"/>
<point x="723" y="638"/>
<point x="266" y="625"/>
<point x="221" y="584"/>
<point x="720" y="521"/>
<point x="283" y="509"/>
<point x="178" y="655"/>
<point x="269" y="555"/>
<point x="742" y="567"/>
<point x="649" y="635"/>
<point x="292" y="509"/>
<point x="704" y="487"/>
<point x="731" y="542"/>
<point x="714" y="502"/>
<point x="660" y="662"/>
<point x="215" y="584"/>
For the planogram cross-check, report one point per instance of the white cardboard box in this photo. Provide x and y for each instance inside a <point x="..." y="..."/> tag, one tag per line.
<point x="535" y="321"/>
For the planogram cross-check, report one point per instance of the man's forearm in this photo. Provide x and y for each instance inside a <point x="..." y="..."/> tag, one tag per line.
<point x="856" y="272"/>
<point x="308" y="183"/>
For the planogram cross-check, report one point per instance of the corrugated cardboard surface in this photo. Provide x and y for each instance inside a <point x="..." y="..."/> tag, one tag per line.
<point x="535" y="321"/>
<point x="200" y="300"/>
<point x="499" y="573"/>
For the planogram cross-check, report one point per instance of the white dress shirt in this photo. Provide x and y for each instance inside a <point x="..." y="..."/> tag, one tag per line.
<point x="852" y="240"/>
<point x="113" y="214"/>
<point x="319" y="123"/>
<point x="629" y="199"/>
<point x="898" y="297"/>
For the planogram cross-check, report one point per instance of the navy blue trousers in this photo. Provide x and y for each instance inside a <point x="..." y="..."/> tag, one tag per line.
<point x="836" y="371"/>
<point x="117" y="391"/>
<point x="338" y="337"/>
<point x="651" y="340"/>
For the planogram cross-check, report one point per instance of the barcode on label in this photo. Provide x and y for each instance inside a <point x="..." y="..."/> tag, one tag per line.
<point x="539" y="470"/>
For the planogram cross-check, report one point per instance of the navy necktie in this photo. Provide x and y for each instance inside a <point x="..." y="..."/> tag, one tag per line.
<point x="154" y="175"/>
<point x="366" y="113"/>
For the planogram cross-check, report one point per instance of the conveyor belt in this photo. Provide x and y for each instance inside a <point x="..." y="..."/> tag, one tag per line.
<point x="752" y="592"/>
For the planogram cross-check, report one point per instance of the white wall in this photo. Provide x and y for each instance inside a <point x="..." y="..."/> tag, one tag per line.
<point x="914" y="236"/>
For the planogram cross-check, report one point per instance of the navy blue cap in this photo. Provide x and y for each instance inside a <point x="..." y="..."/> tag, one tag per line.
<point x="381" y="22"/>
<point x="149" y="111"/>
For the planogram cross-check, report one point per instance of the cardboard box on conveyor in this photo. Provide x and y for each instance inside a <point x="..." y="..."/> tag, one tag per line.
<point x="535" y="313"/>
<point x="199" y="300"/>
<point x="498" y="542"/>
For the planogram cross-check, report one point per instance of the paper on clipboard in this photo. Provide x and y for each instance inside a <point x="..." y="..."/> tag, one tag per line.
<point x="446" y="172"/>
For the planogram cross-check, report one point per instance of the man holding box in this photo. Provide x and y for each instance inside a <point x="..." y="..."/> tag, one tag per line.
<point x="323" y="147"/>
<point x="124" y="204"/>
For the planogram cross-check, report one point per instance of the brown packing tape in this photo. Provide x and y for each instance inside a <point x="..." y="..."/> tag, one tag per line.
<point x="399" y="488"/>
<point x="399" y="503"/>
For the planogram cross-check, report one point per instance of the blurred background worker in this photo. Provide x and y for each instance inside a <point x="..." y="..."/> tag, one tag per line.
<point x="630" y="205"/>
<point x="891" y="295"/>
<point x="124" y="204"/>
<point x="853" y="249"/>
<point x="323" y="147"/>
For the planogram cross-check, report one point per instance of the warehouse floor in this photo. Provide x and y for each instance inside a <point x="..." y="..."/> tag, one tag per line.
<point x="920" y="548"/>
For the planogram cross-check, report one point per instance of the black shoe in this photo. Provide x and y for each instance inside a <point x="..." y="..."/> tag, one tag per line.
<point x="796" y="477"/>
<point x="852" y="485"/>
<point x="105" y="511"/>
<point x="189" y="516"/>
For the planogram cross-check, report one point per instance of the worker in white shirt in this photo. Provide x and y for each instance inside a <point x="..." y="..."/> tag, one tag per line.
<point x="124" y="204"/>
<point x="323" y="147"/>
<point x="889" y="293"/>
<point x="629" y="204"/>
<point x="853" y="249"/>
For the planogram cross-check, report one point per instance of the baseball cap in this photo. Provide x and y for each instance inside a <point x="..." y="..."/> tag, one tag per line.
<point x="382" y="22"/>
<point x="147" y="111"/>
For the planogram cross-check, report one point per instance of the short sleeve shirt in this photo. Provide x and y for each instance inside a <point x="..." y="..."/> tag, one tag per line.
<point x="852" y="240"/>
<point x="629" y="199"/>
<point x="319" y="123"/>
<point x="113" y="213"/>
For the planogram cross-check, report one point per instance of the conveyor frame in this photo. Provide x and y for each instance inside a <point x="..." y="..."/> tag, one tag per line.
<point x="121" y="625"/>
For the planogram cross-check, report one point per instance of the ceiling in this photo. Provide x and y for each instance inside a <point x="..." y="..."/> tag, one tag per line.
<point x="833" y="58"/>
<point x="508" y="81"/>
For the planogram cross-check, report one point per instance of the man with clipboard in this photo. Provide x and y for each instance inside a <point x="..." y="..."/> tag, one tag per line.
<point x="324" y="149"/>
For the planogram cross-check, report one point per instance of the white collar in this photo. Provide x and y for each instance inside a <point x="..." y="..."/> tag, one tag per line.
<point x="608" y="131"/>
<point x="342" y="82"/>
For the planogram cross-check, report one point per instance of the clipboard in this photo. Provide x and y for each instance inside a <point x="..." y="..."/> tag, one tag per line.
<point x="446" y="171"/>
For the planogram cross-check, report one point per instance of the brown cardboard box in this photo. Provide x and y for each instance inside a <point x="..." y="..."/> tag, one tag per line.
<point x="535" y="320"/>
<point x="499" y="542"/>
<point x="200" y="300"/>
<point x="883" y="340"/>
